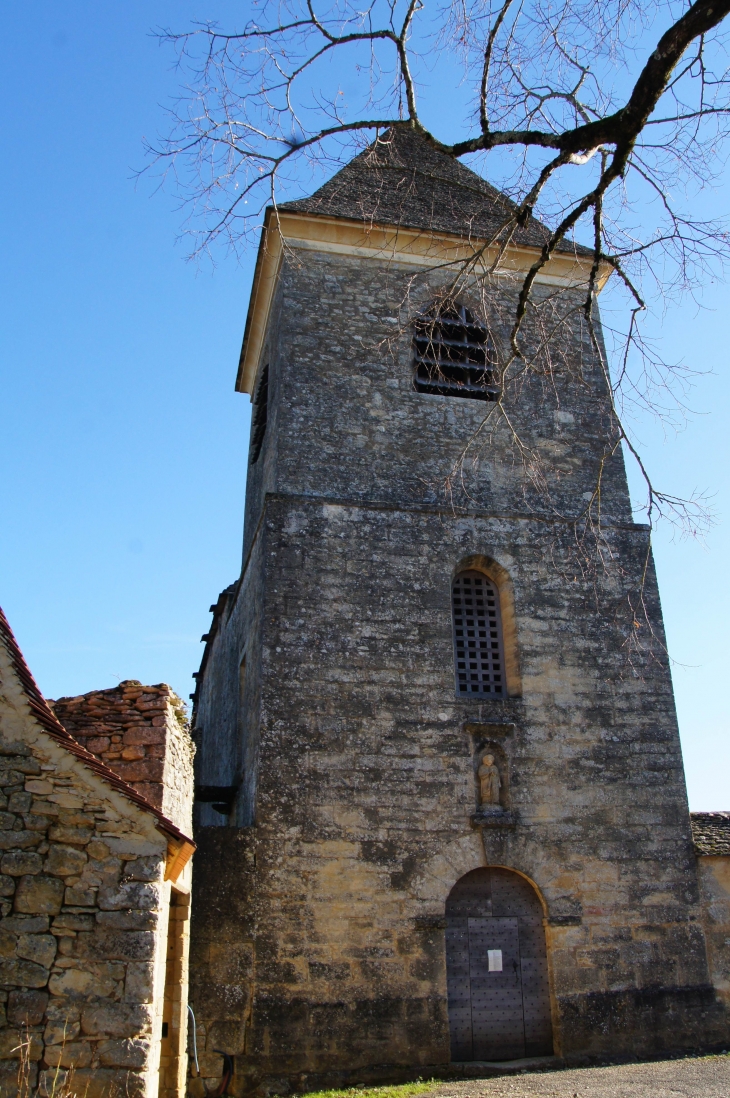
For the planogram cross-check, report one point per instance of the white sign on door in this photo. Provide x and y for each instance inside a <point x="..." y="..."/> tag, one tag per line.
<point x="495" y="960"/>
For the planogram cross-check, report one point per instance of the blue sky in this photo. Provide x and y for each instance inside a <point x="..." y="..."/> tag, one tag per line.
<point x="123" y="442"/>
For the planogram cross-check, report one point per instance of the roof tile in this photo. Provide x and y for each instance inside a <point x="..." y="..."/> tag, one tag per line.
<point x="711" y="833"/>
<point x="403" y="179"/>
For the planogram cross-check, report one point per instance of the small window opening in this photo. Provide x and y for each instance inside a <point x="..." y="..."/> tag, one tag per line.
<point x="478" y="646"/>
<point x="454" y="355"/>
<point x="260" y="415"/>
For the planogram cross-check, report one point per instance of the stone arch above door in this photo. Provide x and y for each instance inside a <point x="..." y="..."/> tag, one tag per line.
<point x="496" y="967"/>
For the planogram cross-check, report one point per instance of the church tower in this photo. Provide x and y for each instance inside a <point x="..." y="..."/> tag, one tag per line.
<point x="441" y="809"/>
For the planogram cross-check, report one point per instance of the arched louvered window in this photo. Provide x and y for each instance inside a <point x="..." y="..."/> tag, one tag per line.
<point x="260" y="415"/>
<point x="454" y="355"/>
<point x="478" y="645"/>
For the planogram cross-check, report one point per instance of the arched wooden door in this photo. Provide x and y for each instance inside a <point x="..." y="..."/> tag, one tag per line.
<point x="496" y="965"/>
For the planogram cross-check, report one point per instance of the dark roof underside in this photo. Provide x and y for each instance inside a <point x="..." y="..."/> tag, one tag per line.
<point x="402" y="179"/>
<point x="711" y="833"/>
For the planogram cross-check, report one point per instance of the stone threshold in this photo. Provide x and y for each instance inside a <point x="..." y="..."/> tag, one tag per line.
<point x="485" y="1069"/>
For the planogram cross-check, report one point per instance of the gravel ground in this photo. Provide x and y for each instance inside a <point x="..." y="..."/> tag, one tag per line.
<point x="708" y="1077"/>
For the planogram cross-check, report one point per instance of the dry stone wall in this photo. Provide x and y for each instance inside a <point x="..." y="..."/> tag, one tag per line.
<point x="81" y="905"/>
<point x="141" y="733"/>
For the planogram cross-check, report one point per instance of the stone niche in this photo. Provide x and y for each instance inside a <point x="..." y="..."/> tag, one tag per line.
<point x="492" y="799"/>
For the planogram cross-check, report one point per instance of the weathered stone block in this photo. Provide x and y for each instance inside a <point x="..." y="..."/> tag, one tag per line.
<point x="74" y="835"/>
<point x="19" y="802"/>
<point x="14" y="1042"/>
<point x="9" y="1078"/>
<point x="73" y="921"/>
<point x="19" y="862"/>
<point x="139" y="982"/>
<point x="130" y="895"/>
<point x="115" y="1019"/>
<point x="109" y="1082"/>
<point x="146" y="770"/>
<point x="97" y="745"/>
<point x="39" y="786"/>
<point x="65" y="861"/>
<point x="10" y="780"/>
<point x="127" y="920"/>
<point x="144" y="735"/>
<point x="26" y="924"/>
<point x="73" y="1054"/>
<point x="19" y="840"/>
<point x="78" y="896"/>
<point x="133" y="752"/>
<point x="22" y="973"/>
<point x="122" y="945"/>
<point x="22" y="761"/>
<point x="124" y="1054"/>
<point x="39" y="895"/>
<point x="63" y="1021"/>
<point x="8" y="942"/>
<point x="98" y="850"/>
<point x="26" y="1007"/>
<point x="79" y="983"/>
<point x="40" y="948"/>
<point x="143" y="869"/>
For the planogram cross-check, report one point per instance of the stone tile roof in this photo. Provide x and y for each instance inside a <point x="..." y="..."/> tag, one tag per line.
<point x="711" y="833"/>
<point x="403" y="179"/>
<point x="47" y="719"/>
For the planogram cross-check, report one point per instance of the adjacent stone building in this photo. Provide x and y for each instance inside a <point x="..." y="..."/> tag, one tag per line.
<point x="442" y="810"/>
<point x="94" y="889"/>
<point x="711" y="831"/>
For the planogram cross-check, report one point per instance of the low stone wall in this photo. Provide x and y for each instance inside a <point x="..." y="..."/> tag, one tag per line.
<point x="714" y="873"/>
<point x="141" y="733"/>
<point x="82" y="901"/>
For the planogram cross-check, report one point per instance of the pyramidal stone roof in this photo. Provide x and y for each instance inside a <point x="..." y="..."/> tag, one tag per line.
<point x="403" y="179"/>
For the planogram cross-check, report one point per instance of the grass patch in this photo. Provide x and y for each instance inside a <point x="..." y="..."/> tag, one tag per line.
<point x="402" y="1090"/>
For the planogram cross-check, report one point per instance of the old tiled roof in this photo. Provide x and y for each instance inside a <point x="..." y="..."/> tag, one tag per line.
<point x="403" y="179"/>
<point x="45" y="717"/>
<point x="711" y="833"/>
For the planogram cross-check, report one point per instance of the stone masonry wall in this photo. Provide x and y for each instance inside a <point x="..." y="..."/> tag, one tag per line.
<point x="82" y="899"/>
<point x="361" y="759"/>
<point x="714" y="875"/>
<point x="141" y="733"/>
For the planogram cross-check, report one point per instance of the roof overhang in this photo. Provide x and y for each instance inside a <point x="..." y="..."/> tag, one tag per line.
<point x="179" y="852"/>
<point x="285" y="230"/>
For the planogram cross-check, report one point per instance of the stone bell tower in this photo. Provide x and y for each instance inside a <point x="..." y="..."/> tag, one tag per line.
<point x="441" y="806"/>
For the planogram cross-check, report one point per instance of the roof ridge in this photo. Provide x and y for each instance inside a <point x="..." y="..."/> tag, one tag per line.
<point x="45" y="716"/>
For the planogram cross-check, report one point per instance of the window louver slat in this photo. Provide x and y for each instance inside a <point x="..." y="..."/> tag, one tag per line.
<point x="454" y="356"/>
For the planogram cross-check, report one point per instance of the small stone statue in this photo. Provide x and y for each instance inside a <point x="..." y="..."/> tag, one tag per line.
<point x="489" y="784"/>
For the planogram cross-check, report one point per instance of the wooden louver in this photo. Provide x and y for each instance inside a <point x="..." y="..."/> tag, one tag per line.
<point x="454" y="355"/>
<point x="478" y="647"/>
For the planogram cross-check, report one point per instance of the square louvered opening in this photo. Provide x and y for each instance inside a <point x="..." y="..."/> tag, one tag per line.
<point x="478" y="649"/>
<point x="454" y="356"/>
